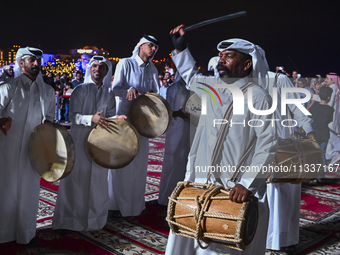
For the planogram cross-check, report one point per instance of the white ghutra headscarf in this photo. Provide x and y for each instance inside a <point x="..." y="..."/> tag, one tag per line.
<point x="107" y="78"/>
<point x="23" y="53"/>
<point x="259" y="61"/>
<point x="145" y="39"/>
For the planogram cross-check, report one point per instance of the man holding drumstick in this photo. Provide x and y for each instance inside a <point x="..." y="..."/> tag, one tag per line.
<point x="134" y="76"/>
<point x="82" y="203"/>
<point x="238" y="60"/>
<point x="24" y="103"/>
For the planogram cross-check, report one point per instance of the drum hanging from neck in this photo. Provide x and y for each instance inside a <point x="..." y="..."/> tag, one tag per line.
<point x="51" y="151"/>
<point x="151" y="115"/>
<point x="204" y="212"/>
<point x="114" y="147"/>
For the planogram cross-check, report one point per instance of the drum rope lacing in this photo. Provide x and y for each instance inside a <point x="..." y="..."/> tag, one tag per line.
<point x="199" y="212"/>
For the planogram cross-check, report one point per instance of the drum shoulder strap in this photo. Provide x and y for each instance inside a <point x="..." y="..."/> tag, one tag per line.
<point x="222" y="136"/>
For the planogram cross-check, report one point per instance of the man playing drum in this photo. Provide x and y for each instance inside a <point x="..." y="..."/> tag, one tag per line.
<point x="82" y="202"/>
<point x="24" y="103"/>
<point x="134" y="76"/>
<point x="238" y="60"/>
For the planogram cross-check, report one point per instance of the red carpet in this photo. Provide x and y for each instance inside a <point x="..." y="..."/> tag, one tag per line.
<point x="147" y="234"/>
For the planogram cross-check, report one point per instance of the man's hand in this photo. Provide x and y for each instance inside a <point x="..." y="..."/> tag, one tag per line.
<point x="311" y="136"/>
<point x="99" y="120"/>
<point x="121" y="117"/>
<point x="179" y="38"/>
<point x="239" y="193"/>
<point x="181" y="114"/>
<point x="5" y="124"/>
<point x="132" y="94"/>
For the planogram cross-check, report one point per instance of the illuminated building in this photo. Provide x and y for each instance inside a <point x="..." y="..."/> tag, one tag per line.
<point x="2" y="59"/>
<point x="12" y="54"/>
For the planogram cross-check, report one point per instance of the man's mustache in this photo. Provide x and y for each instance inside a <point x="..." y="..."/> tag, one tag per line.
<point x="221" y="67"/>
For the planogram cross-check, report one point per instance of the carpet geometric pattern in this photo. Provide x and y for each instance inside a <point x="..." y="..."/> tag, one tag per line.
<point x="319" y="220"/>
<point x="147" y="234"/>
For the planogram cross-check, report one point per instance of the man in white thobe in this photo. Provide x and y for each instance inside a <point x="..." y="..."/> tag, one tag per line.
<point x="283" y="198"/>
<point x="333" y="146"/>
<point x="7" y="75"/>
<point x="83" y="199"/>
<point x="134" y="76"/>
<point x="177" y="143"/>
<point x="234" y="68"/>
<point x="24" y="103"/>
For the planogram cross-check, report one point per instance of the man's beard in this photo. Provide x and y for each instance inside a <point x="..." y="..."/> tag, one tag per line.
<point x="96" y="77"/>
<point x="34" y="71"/>
<point x="226" y="73"/>
<point x="9" y="75"/>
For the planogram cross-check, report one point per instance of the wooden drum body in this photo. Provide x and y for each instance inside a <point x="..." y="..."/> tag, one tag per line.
<point x="224" y="222"/>
<point x="114" y="147"/>
<point x="296" y="161"/>
<point x="51" y="151"/>
<point x="151" y="115"/>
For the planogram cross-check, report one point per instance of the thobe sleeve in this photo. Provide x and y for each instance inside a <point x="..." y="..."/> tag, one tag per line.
<point x="265" y="149"/>
<point x="334" y="96"/>
<point x="119" y="84"/>
<point x="49" y="115"/>
<point x="193" y="79"/>
<point x="185" y="64"/>
<point x="76" y="102"/>
<point x="300" y="117"/>
<point x="6" y="94"/>
<point x="155" y="86"/>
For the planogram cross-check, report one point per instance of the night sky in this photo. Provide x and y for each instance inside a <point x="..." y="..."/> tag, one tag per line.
<point x="302" y="35"/>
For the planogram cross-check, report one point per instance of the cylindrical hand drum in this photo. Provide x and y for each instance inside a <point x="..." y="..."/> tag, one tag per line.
<point x="296" y="161"/>
<point x="150" y="114"/>
<point x="193" y="106"/>
<point x="51" y="151"/>
<point x="114" y="147"/>
<point x="204" y="212"/>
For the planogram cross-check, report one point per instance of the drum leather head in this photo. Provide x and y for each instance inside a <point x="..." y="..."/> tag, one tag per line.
<point x="251" y="220"/>
<point x="114" y="147"/>
<point x="150" y="114"/>
<point x="51" y="151"/>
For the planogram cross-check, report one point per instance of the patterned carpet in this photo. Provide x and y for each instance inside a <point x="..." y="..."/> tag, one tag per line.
<point x="147" y="234"/>
<point x="319" y="220"/>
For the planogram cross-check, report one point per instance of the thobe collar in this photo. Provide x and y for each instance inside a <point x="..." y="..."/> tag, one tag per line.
<point x="239" y="83"/>
<point x="25" y="79"/>
<point x="140" y="62"/>
<point x="96" y="85"/>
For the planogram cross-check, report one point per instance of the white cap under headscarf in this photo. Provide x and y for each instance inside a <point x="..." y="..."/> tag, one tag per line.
<point x="108" y="76"/>
<point x="259" y="61"/>
<point x="21" y="54"/>
<point x="145" y="39"/>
